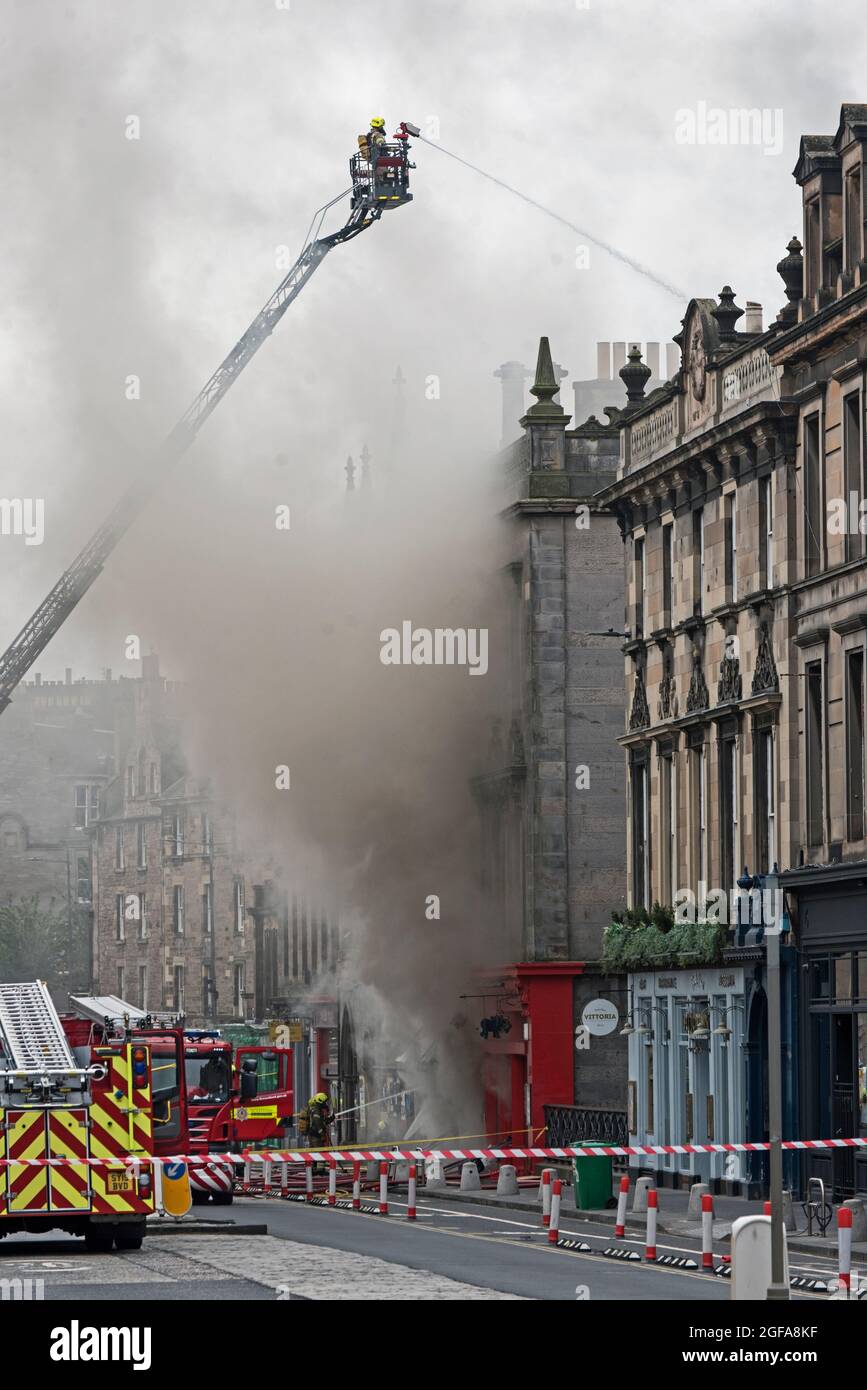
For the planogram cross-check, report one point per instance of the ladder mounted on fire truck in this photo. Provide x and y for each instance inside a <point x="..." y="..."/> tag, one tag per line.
<point x="378" y="184"/>
<point x="31" y="1031"/>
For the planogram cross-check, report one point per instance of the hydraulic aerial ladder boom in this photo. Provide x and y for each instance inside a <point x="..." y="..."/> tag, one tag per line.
<point x="379" y="183"/>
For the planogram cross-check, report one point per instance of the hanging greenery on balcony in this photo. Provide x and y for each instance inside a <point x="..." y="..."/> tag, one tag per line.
<point x="640" y="940"/>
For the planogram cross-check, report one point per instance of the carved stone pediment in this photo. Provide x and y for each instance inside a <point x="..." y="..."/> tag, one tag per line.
<point x="765" y="674"/>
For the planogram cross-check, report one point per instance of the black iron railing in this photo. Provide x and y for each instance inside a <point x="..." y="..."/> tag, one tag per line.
<point x="574" y="1124"/>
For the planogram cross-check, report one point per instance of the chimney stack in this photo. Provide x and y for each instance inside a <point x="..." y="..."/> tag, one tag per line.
<point x="603" y="361"/>
<point x="651" y="357"/>
<point x="672" y="359"/>
<point x="619" y="357"/>
<point x="753" y="317"/>
<point x="68" y="676"/>
<point x="512" y="375"/>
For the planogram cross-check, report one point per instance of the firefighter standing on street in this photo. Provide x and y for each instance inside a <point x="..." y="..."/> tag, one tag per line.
<point x="319" y="1120"/>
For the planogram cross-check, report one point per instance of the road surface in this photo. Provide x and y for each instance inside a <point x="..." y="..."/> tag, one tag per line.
<point x="454" y="1251"/>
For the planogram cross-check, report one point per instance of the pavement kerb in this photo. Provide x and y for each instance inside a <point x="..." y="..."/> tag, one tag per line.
<point x="161" y="1226"/>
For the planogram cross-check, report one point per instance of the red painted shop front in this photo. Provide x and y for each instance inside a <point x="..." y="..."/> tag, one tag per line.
<point x="532" y="1064"/>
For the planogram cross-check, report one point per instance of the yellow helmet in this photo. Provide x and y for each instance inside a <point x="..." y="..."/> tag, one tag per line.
<point x="377" y="123"/>
<point x="320" y="1097"/>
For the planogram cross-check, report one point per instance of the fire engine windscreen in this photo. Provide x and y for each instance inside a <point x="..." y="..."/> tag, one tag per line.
<point x="207" y="1079"/>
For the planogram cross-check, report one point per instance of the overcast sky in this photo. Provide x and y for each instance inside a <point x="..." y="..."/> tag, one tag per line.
<point x="151" y="256"/>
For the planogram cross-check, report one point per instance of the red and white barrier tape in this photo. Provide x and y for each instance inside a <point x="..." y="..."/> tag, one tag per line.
<point x="308" y="1156"/>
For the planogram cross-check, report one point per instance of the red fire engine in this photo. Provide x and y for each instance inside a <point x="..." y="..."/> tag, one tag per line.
<point x="221" y="1100"/>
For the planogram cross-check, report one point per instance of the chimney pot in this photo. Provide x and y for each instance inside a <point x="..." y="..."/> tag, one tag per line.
<point x="68" y="675"/>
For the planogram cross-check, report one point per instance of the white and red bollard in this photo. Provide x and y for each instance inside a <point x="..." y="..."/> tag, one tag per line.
<point x="308" y="1178"/>
<point x="546" y="1196"/>
<point x="356" y="1186"/>
<point x="650" y="1243"/>
<point x="410" y="1209"/>
<point x="332" y="1181"/>
<point x="383" y="1189"/>
<point x="554" y="1228"/>
<point x="622" y="1198"/>
<point x="707" y="1232"/>
<point x="844" y="1248"/>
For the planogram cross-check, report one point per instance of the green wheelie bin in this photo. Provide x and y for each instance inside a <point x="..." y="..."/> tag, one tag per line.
<point x="593" y="1180"/>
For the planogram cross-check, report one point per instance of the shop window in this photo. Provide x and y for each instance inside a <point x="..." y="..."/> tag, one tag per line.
<point x="843" y="991"/>
<point x="861" y="976"/>
<point x="862" y="1075"/>
<point x="820" y="980"/>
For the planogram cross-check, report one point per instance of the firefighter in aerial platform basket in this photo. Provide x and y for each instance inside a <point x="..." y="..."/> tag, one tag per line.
<point x="371" y="139"/>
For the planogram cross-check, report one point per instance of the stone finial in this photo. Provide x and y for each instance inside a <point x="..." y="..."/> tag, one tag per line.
<point x="366" y="479"/>
<point x="791" y="271"/>
<point x="727" y="314"/>
<point x="635" y="375"/>
<point x="545" y="387"/>
<point x="349" y="470"/>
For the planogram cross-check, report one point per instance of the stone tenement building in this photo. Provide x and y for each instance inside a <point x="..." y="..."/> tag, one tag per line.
<point x="186" y="919"/>
<point x="552" y="804"/>
<point x="59" y="742"/>
<point x="739" y="492"/>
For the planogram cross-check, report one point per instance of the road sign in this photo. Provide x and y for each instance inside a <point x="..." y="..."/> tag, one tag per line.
<point x="177" y="1198"/>
<point x="599" y="1017"/>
